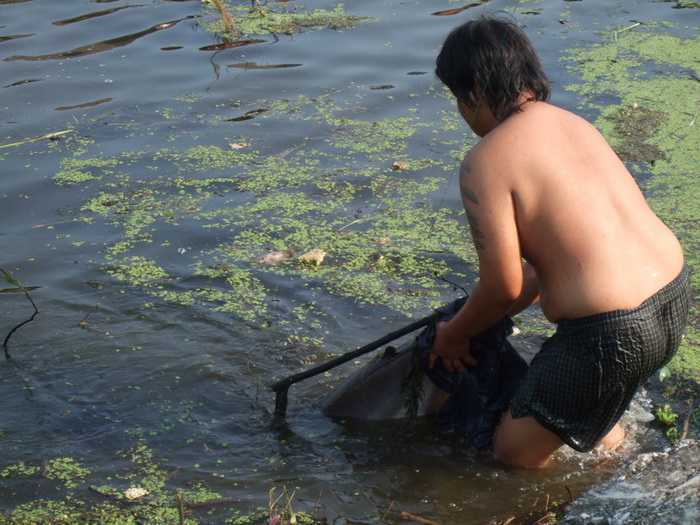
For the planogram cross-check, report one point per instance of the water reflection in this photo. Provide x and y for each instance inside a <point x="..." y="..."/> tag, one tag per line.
<point x="99" y="47"/>
<point x="253" y="65"/>
<point x="89" y="16"/>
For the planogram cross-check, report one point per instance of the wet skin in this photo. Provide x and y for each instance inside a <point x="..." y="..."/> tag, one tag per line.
<point x="556" y="217"/>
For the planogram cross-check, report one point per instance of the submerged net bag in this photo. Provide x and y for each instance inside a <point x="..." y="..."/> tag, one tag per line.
<point x="480" y="395"/>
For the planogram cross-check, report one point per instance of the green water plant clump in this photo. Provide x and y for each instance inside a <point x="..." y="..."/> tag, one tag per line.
<point x="233" y="20"/>
<point x="138" y="491"/>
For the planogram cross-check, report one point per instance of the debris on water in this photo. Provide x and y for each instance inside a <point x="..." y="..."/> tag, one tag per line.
<point x="635" y="125"/>
<point x="273" y="258"/>
<point x="313" y="257"/>
<point x="450" y="12"/>
<point x="383" y="240"/>
<point x="135" y="493"/>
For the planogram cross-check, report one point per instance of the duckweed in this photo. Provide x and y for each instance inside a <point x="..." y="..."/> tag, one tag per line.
<point x="338" y="193"/>
<point x="278" y="19"/>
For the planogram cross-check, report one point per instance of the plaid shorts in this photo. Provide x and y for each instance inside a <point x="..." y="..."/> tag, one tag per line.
<point x="585" y="376"/>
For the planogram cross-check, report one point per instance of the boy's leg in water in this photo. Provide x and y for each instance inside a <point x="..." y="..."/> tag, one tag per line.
<point x="523" y="442"/>
<point x="613" y="439"/>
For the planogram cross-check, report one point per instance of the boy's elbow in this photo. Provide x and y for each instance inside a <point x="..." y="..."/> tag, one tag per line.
<point x="505" y="292"/>
<point x="507" y="299"/>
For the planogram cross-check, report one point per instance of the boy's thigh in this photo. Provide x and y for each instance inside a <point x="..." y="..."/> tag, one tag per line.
<point x="523" y="442"/>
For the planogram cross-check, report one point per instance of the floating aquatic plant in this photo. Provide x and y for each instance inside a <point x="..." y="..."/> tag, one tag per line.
<point x="381" y="233"/>
<point x="236" y="21"/>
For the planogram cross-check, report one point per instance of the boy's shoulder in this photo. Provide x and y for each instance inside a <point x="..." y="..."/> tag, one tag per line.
<point x="537" y="128"/>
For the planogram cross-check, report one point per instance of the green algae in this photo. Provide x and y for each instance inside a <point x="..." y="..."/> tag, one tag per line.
<point x="139" y="271"/>
<point x="107" y="503"/>
<point x="684" y="4"/>
<point x="339" y="191"/>
<point x="75" y="171"/>
<point x="654" y="77"/>
<point x="279" y="18"/>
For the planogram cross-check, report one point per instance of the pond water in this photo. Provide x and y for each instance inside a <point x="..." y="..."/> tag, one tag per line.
<point x="160" y="328"/>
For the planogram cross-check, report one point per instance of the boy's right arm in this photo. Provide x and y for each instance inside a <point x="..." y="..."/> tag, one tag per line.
<point x="489" y="207"/>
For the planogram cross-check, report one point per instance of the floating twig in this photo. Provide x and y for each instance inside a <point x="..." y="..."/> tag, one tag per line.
<point x="180" y="509"/>
<point x="47" y="136"/>
<point x="387" y="511"/>
<point x="413" y="517"/>
<point x="626" y="29"/>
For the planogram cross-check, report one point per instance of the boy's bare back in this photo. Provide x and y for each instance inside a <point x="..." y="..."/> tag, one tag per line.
<point x="544" y="185"/>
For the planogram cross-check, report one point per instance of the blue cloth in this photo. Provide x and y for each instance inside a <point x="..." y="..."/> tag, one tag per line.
<point x="480" y="395"/>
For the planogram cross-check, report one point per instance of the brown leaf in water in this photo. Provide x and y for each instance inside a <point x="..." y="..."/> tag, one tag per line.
<point x="448" y="12"/>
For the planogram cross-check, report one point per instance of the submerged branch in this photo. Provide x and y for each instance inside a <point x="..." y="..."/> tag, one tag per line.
<point x="24" y="290"/>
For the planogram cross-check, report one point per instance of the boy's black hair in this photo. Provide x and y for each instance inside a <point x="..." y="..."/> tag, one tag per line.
<point x="491" y="60"/>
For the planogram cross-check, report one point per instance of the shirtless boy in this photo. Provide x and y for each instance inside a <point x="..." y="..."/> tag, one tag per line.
<point x="555" y="216"/>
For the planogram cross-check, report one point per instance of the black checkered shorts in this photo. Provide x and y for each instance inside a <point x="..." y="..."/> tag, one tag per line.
<point x="585" y="376"/>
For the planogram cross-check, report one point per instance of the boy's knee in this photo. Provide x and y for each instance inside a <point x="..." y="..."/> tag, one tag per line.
<point x="518" y="457"/>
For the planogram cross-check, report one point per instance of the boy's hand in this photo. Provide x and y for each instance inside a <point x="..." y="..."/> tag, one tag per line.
<point x="454" y="355"/>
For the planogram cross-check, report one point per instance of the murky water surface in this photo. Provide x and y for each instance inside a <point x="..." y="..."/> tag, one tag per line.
<point x="148" y="337"/>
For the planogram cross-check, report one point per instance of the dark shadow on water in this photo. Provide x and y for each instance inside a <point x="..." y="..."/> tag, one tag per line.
<point x="89" y="16"/>
<point x="99" y="47"/>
